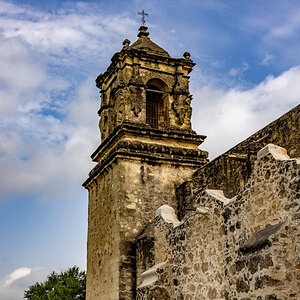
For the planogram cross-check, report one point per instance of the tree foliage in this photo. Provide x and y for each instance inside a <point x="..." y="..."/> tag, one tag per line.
<point x="68" y="285"/>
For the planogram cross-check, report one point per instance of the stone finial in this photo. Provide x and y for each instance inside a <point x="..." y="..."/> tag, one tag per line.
<point x="219" y="196"/>
<point x="167" y="213"/>
<point x="187" y="55"/>
<point x="143" y="31"/>
<point x="150" y="276"/>
<point x="276" y="151"/>
<point x="126" y="42"/>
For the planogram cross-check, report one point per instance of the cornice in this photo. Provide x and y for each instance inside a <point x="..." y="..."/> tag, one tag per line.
<point x="151" y="153"/>
<point x="146" y="131"/>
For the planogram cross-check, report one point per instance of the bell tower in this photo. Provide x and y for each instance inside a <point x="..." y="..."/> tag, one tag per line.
<point x="147" y="148"/>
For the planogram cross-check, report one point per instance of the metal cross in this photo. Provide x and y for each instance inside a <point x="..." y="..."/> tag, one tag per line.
<point x="143" y="16"/>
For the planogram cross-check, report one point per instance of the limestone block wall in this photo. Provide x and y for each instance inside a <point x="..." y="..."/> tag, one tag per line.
<point x="123" y="199"/>
<point x="245" y="247"/>
<point x="103" y="237"/>
<point x="144" y="186"/>
<point x="231" y="171"/>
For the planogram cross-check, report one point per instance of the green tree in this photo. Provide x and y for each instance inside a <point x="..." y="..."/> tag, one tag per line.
<point x="68" y="285"/>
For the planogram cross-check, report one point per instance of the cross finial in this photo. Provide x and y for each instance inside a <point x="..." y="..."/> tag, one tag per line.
<point x="143" y="16"/>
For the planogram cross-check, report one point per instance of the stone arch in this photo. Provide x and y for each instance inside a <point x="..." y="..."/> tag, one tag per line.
<point x="158" y="83"/>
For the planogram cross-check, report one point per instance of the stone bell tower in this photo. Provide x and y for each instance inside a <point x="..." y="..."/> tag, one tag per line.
<point x="147" y="149"/>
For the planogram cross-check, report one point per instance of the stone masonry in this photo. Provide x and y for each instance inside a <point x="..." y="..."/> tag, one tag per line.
<point x="231" y="170"/>
<point x="245" y="247"/>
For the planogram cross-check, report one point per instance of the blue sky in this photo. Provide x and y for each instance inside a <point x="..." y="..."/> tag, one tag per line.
<point x="247" y="74"/>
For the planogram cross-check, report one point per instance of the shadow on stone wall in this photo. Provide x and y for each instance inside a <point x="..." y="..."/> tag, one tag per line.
<point x="230" y="171"/>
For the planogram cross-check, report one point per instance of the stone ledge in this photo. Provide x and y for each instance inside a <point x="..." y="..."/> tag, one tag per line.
<point x="216" y="196"/>
<point x="146" y="131"/>
<point x="151" y="153"/>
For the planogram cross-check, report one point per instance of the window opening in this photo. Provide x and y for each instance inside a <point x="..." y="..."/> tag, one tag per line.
<point x="154" y="107"/>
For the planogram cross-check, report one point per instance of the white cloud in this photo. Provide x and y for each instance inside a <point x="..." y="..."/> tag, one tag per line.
<point x="19" y="73"/>
<point x="66" y="34"/>
<point x="12" y="287"/>
<point x="15" y="275"/>
<point x="267" y="59"/>
<point x="229" y="116"/>
<point x="54" y="152"/>
<point x="7" y="7"/>
<point x="239" y="71"/>
<point x="290" y="26"/>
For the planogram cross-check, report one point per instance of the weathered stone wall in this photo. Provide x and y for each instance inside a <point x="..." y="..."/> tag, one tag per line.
<point x="103" y="252"/>
<point x="263" y="233"/>
<point x="230" y="171"/>
<point x="144" y="252"/>
<point x="144" y="186"/>
<point x="123" y="199"/>
<point x="246" y="247"/>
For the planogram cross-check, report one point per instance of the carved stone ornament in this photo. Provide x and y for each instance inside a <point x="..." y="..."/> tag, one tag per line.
<point x="126" y="43"/>
<point x="103" y="125"/>
<point x="136" y="78"/>
<point x="180" y="87"/>
<point x="135" y="99"/>
<point x="181" y="106"/>
<point x="136" y="110"/>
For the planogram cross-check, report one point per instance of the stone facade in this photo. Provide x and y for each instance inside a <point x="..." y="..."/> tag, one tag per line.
<point x="246" y="247"/>
<point x="238" y="237"/>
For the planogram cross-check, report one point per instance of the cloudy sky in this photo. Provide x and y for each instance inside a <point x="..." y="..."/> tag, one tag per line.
<point x="247" y="74"/>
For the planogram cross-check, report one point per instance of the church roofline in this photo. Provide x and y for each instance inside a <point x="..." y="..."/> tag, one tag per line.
<point x="146" y="44"/>
<point x="143" y="48"/>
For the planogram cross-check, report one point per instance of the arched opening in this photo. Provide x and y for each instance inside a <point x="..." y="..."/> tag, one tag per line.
<point x="156" y="106"/>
